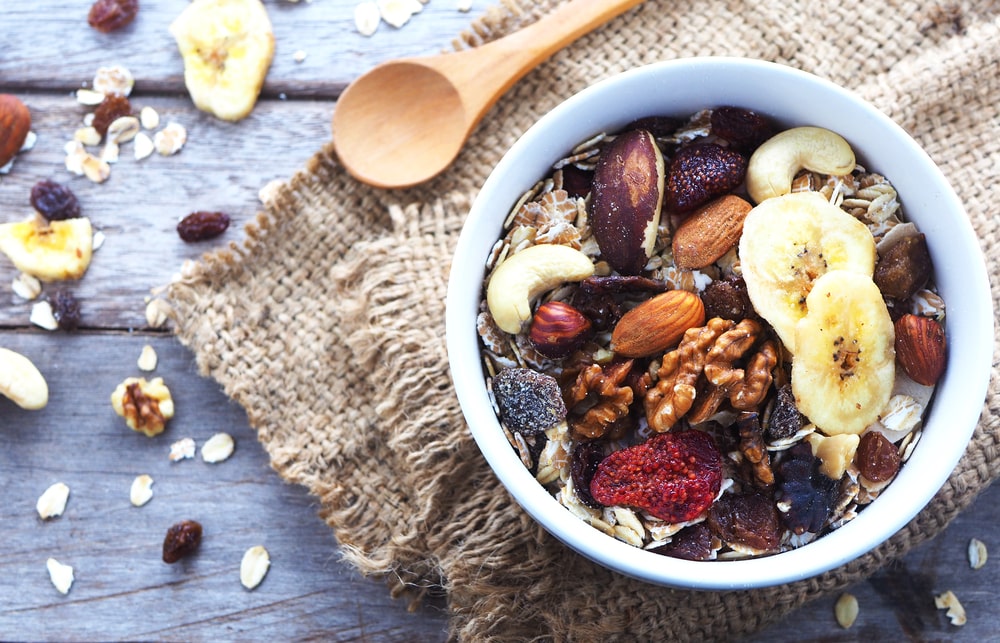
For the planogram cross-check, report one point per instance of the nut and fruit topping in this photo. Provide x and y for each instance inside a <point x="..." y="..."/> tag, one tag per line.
<point x="146" y="406"/>
<point x="110" y="15"/>
<point x="691" y="331"/>
<point x="54" y="201"/>
<point x="202" y="225"/>
<point x="182" y="540"/>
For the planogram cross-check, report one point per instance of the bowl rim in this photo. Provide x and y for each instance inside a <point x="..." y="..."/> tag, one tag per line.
<point x="958" y="399"/>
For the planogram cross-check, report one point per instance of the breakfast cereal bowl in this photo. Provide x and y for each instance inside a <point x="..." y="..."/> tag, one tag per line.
<point x="628" y="534"/>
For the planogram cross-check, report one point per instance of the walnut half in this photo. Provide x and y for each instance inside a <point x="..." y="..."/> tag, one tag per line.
<point x="146" y="406"/>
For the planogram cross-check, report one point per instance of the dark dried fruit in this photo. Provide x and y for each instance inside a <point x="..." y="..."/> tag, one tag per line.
<point x="181" y="540"/>
<point x="111" y="108"/>
<point x="110" y="15"/>
<point x="876" y="457"/>
<point x="747" y="519"/>
<point x="66" y="310"/>
<point x="577" y="182"/>
<point x="202" y="225"/>
<point x="727" y="298"/>
<point x="754" y="450"/>
<point x="809" y="494"/>
<point x="673" y="476"/>
<point x="691" y="543"/>
<point x="700" y="173"/>
<point x="743" y="129"/>
<point x="558" y="329"/>
<point x="529" y="402"/>
<point x="54" y="201"/>
<point x="583" y="464"/>
<point x="785" y="419"/>
<point x="904" y="268"/>
<point x="658" y="126"/>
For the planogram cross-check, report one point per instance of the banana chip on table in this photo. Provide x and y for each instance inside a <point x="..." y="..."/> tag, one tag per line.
<point x="49" y="250"/>
<point x="227" y="47"/>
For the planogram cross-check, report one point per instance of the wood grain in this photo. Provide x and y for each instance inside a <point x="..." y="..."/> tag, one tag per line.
<point x="123" y="590"/>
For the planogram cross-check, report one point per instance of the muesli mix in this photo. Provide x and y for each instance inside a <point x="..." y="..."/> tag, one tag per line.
<point x="711" y="337"/>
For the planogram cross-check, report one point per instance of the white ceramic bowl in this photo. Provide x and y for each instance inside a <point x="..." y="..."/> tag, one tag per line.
<point x="792" y="98"/>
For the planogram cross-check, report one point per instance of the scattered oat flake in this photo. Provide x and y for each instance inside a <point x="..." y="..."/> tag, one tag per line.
<point x="87" y="135"/>
<point x="464" y="5"/>
<point x="183" y="449"/>
<point x="113" y="80"/>
<point x="170" y="139"/>
<point x="949" y="601"/>
<point x="110" y="151"/>
<point x="98" y="241"/>
<point x="149" y="118"/>
<point x="53" y="500"/>
<point x="141" y="491"/>
<point x="42" y="316"/>
<point x="89" y="97"/>
<point x="147" y="359"/>
<point x="157" y="313"/>
<point x="95" y="169"/>
<point x="253" y="568"/>
<point x="26" y="286"/>
<point x="218" y="448"/>
<point x="142" y="146"/>
<point x="123" y="129"/>
<point x="977" y="553"/>
<point x="846" y="610"/>
<point x="398" y="12"/>
<point x="75" y="155"/>
<point x="299" y="56"/>
<point x="60" y="575"/>
<point x="367" y="18"/>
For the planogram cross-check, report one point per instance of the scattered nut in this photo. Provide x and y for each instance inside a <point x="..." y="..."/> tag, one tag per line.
<point x="217" y="448"/>
<point x="21" y="381"/>
<point x="253" y="568"/>
<point x="142" y="146"/>
<point x="977" y="553"/>
<point x="149" y="118"/>
<point x="955" y="610"/>
<point x="60" y="575"/>
<point x="170" y="139"/>
<point x="182" y="449"/>
<point x="110" y="152"/>
<point x="146" y="406"/>
<point x="147" y="359"/>
<point x="527" y="274"/>
<point x="53" y="500"/>
<point x="141" y="491"/>
<point x="95" y="169"/>
<point x="709" y="232"/>
<point x="182" y="540"/>
<point x="26" y="286"/>
<point x="846" y="610"/>
<point x="776" y="162"/>
<point x="42" y="316"/>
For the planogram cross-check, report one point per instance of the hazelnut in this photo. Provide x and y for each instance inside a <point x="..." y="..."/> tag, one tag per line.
<point x="558" y="329"/>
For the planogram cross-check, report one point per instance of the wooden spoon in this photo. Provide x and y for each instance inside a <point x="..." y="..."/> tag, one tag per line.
<point x="405" y="121"/>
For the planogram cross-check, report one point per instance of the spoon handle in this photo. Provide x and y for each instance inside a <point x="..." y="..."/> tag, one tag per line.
<point x="513" y="56"/>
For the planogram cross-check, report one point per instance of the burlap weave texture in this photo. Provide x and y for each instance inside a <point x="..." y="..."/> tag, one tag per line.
<point x="337" y="273"/>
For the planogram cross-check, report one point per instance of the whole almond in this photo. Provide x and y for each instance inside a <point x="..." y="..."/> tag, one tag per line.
<point x="920" y="348"/>
<point x="709" y="232"/>
<point x="15" y="122"/>
<point x="657" y="324"/>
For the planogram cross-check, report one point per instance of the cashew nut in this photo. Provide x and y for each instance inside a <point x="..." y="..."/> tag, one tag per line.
<point x="775" y="163"/>
<point x="21" y="381"/>
<point x="835" y="452"/>
<point x="527" y="274"/>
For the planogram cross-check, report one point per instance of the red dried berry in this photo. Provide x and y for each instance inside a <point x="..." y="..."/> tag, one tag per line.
<point x="691" y="543"/>
<point x="743" y="129"/>
<point x="66" y="310"/>
<point x="110" y="15"/>
<point x="700" y="173"/>
<point x="202" y="225"/>
<point x="809" y="494"/>
<point x="54" y="201"/>
<point x="673" y="476"/>
<point x="110" y="109"/>
<point x="181" y="540"/>
<point x="747" y="519"/>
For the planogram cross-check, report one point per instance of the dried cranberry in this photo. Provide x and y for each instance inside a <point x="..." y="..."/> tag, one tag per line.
<point x="743" y="129"/>
<point x="202" y="225"/>
<point x="582" y="467"/>
<point x="111" y="108"/>
<point x="700" y="173"/>
<point x="673" y="476"/>
<point x="54" y="201"/>
<point x="181" y="540"/>
<point x="110" y="15"/>
<point x="66" y="310"/>
<point x="748" y="519"/>
<point x="810" y="495"/>
<point x="691" y="543"/>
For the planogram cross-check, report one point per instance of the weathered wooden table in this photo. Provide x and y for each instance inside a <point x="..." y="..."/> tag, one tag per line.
<point x="122" y="589"/>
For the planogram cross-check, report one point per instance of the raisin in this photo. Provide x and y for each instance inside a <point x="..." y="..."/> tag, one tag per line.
<point x="110" y="15"/>
<point x="110" y="109"/>
<point x="785" y="419"/>
<point x="747" y="519"/>
<point x="66" y="310"/>
<point x="202" y="225"/>
<point x="876" y="458"/>
<point x="54" y="201"/>
<point x="181" y="540"/>
<point x="690" y="543"/>
<point x="809" y="494"/>
<point x="745" y="130"/>
<point x="582" y="467"/>
<point x="727" y="298"/>
<point x="658" y="126"/>
<point x="576" y="181"/>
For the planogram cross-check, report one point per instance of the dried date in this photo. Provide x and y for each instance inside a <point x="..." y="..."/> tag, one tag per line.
<point x="202" y="225"/>
<point x="110" y="15"/>
<point x="54" y="201"/>
<point x="182" y="540"/>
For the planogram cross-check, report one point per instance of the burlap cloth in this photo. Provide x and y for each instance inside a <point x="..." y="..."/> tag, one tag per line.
<point x="327" y="325"/>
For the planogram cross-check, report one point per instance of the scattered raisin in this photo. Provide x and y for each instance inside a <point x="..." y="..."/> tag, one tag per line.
<point x="691" y="543"/>
<point x="66" y="310"/>
<point x="111" y="108"/>
<point x="748" y="519"/>
<point x="745" y="130"/>
<point x="202" y="225"/>
<point x="582" y="467"/>
<point x="181" y="540"/>
<point x="876" y="458"/>
<point x="110" y="15"/>
<point x="809" y="494"/>
<point x="54" y="201"/>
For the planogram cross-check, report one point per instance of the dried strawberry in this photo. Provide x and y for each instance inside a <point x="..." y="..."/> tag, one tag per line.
<point x="673" y="476"/>
<point x="743" y="129"/>
<point x="809" y="494"/>
<point x="691" y="543"/>
<point x="700" y="173"/>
